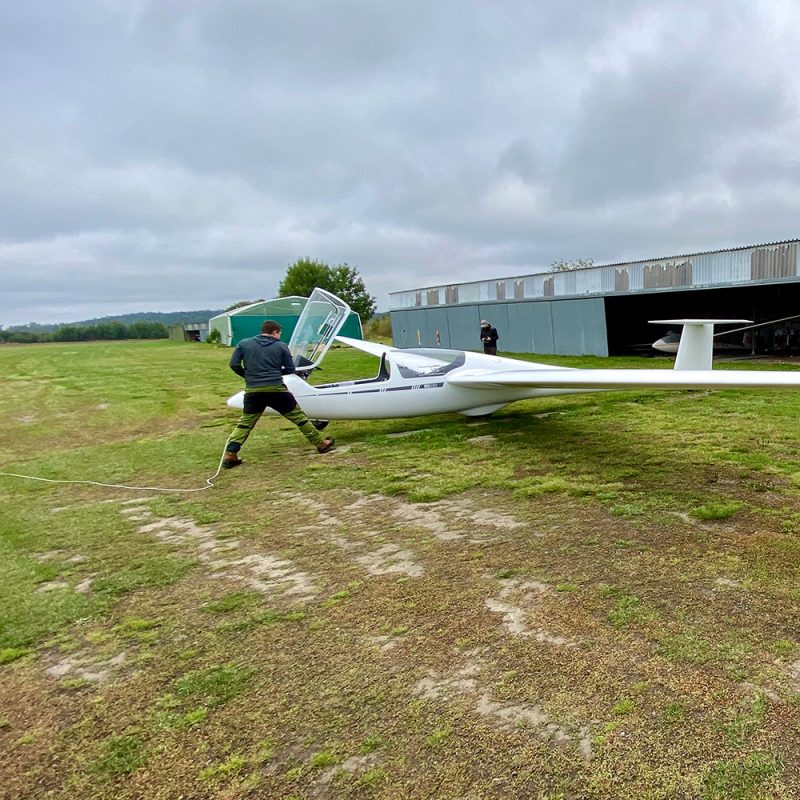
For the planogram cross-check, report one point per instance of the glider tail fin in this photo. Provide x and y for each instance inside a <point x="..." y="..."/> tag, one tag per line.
<point x="696" y="347"/>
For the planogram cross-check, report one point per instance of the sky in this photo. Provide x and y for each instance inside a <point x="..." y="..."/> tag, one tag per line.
<point x="168" y="154"/>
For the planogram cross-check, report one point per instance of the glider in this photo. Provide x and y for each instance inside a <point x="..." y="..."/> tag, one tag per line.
<point x="422" y="381"/>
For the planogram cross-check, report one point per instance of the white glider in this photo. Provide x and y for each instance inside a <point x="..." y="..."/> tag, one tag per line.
<point x="423" y="381"/>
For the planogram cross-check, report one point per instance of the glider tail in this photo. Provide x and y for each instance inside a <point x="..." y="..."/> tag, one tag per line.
<point x="696" y="346"/>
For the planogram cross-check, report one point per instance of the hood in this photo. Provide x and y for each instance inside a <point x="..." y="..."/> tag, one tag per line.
<point x="266" y="341"/>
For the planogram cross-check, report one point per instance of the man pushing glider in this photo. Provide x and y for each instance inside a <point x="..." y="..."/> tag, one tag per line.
<point x="263" y="361"/>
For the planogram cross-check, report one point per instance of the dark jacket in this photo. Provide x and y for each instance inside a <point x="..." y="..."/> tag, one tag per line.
<point x="262" y="361"/>
<point x="489" y="334"/>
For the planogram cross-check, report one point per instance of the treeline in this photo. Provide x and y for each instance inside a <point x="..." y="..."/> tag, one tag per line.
<point x="104" y="331"/>
<point x="165" y="317"/>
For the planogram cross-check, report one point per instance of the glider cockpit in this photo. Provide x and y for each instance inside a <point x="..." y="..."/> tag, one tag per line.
<point x="384" y="373"/>
<point x="407" y="366"/>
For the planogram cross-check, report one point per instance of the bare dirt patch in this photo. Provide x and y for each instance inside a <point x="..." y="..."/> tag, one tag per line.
<point x="87" y="667"/>
<point x="50" y="586"/>
<point x="794" y="676"/>
<point x="354" y="765"/>
<point x="464" y="681"/>
<point x="482" y="439"/>
<point x="264" y="572"/>
<point x="367" y="516"/>
<point x="390" y="559"/>
<point x="66" y="564"/>
<point x="517" y="602"/>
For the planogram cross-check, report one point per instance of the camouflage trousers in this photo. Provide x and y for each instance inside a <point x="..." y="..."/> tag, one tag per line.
<point x="279" y="398"/>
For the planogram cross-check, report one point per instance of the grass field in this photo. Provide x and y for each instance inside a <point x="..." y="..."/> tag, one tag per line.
<point x="591" y="597"/>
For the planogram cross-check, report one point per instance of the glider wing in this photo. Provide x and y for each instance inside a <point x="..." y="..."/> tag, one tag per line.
<point x="410" y="362"/>
<point x="373" y="348"/>
<point x="625" y="379"/>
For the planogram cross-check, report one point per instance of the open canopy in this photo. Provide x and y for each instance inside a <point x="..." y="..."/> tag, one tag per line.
<point x="317" y="326"/>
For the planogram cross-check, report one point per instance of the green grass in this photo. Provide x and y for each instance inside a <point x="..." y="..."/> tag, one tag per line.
<point x="740" y="779"/>
<point x="121" y="755"/>
<point x="235" y="601"/>
<point x="624" y="707"/>
<point x="228" y="767"/>
<point x="283" y="649"/>
<point x="716" y="511"/>
<point x="323" y="759"/>
<point x="438" y="738"/>
<point x="742" y="724"/>
<point x="674" y="712"/>
<point x="627" y="607"/>
<point x="214" y="685"/>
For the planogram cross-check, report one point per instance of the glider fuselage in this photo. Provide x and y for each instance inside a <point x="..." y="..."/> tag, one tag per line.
<point x="408" y="385"/>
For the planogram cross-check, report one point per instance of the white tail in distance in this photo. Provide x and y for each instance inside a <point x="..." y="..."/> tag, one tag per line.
<point x="696" y="347"/>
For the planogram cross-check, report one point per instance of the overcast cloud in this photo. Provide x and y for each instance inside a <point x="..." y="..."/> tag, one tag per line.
<point x="172" y="155"/>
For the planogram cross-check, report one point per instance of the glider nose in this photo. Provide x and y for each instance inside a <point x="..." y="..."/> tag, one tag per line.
<point x="665" y="345"/>
<point x="236" y="400"/>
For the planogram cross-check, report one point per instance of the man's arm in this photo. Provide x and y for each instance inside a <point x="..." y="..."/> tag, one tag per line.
<point x="287" y="362"/>
<point x="236" y="361"/>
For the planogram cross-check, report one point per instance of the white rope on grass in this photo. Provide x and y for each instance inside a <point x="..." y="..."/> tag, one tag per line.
<point x="209" y="481"/>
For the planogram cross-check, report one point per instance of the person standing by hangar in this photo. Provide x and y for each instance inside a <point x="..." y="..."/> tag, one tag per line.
<point x="489" y="338"/>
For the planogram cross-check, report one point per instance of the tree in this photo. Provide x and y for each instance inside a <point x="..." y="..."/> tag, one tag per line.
<point x="567" y="266"/>
<point x="110" y="330"/>
<point x="302" y="276"/>
<point x="348" y="284"/>
<point x="148" y="330"/>
<point x="342" y="280"/>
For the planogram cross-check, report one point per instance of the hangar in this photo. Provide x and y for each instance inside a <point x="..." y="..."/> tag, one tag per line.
<point x="604" y="310"/>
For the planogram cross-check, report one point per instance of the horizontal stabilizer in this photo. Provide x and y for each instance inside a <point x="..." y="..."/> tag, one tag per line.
<point x="696" y="348"/>
<point x="626" y="379"/>
<point x="699" y="321"/>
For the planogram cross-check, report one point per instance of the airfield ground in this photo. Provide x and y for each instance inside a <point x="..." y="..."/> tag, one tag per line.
<point x="592" y="597"/>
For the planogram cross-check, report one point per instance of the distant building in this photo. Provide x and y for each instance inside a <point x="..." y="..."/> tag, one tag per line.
<point x="602" y="310"/>
<point x="190" y="332"/>
<point x="239" y="323"/>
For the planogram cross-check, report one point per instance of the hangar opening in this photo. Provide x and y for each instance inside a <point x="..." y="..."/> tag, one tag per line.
<point x="629" y="332"/>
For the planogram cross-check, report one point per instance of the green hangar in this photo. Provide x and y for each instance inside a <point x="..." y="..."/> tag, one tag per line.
<point x="244" y="321"/>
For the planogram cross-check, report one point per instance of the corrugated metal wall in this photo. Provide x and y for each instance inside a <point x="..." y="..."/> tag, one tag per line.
<point x="579" y="327"/>
<point x="563" y="327"/>
<point x="462" y="324"/>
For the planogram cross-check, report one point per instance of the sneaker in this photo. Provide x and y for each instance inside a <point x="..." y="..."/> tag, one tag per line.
<point x="230" y="463"/>
<point x="325" y="446"/>
<point x="320" y="424"/>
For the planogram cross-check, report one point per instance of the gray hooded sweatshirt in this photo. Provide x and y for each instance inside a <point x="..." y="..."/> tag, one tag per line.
<point x="262" y="361"/>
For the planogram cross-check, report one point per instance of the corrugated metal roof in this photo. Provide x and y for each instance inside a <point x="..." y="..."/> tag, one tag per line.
<point x="693" y="255"/>
<point x="770" y="261"/>
<point x="614" y="264"/>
